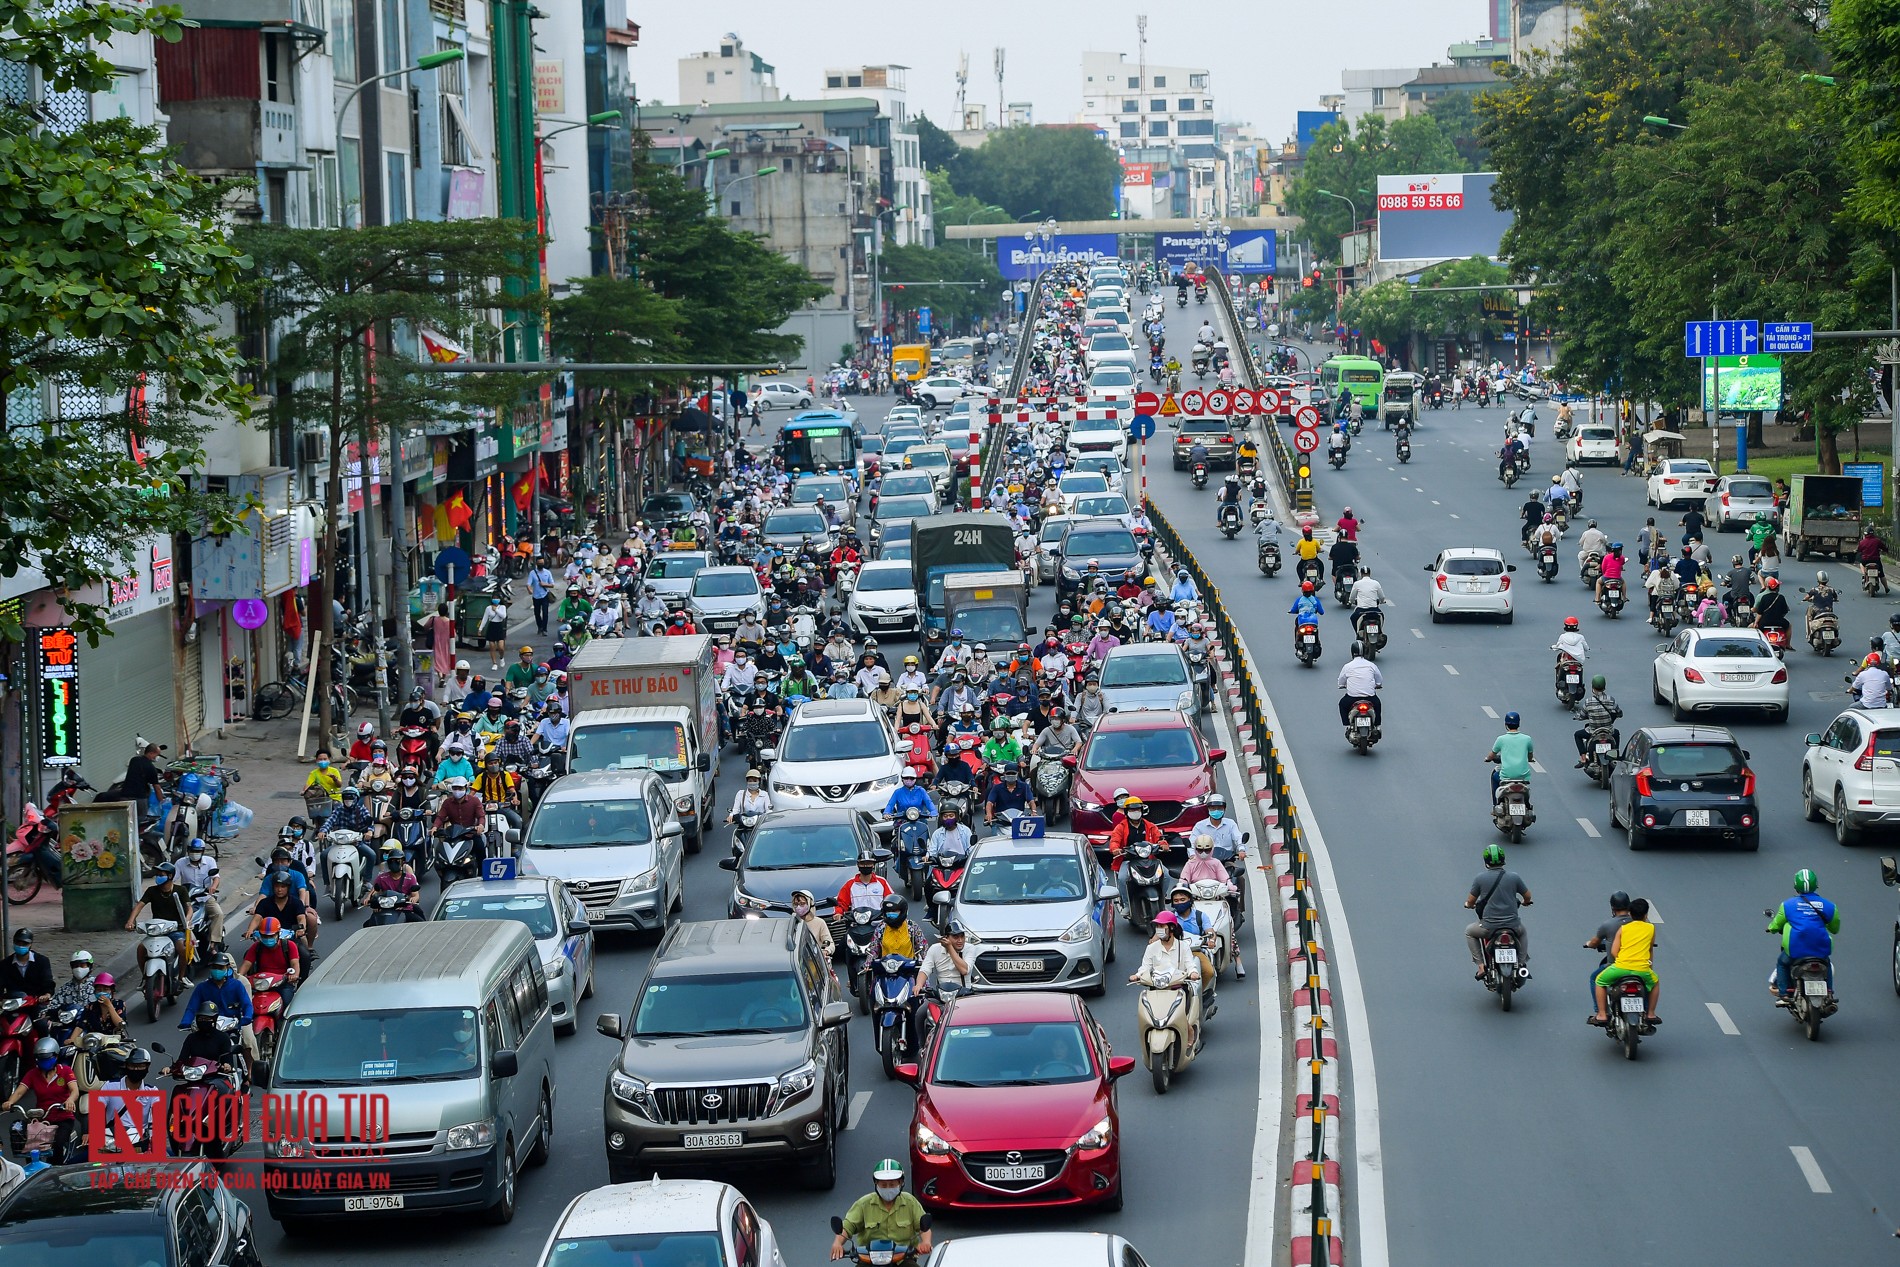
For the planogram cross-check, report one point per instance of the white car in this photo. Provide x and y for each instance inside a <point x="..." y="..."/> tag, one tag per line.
<point x="1469" y="580"/>
<point x="1097" y="436"/>
<point x="555" y="919"/>
<point x="884" y="600"/>
<point x="652" y="1220"/>
<point x="1591" y="443"/>
<point x="1850" y="774"/>
<point x="903" y="413"/>
<point x="1704" y="670"/>
<point x="723" y="597"/>
<point x="835" y="752"/>
<point x="1074" y="484"/>
<point x="939" y="390"/>
<point x="781" y="396"/>
<point x="1109" y="349"/>
<point x="1112" y="385"/>
<point x="1680" y="480"/>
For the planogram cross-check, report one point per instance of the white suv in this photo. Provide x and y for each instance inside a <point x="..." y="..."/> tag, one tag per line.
<point x="1850" y="775"/>
<point x="835" y="752"/>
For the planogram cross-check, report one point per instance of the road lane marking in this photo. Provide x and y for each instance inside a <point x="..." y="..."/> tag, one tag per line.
<point x="860" y="1101"/>
<point x="1436" y="502"/>
<point x="1418" y="490"/>
<point x="1655" y="916"/>
<point x="1540" y="769"/>
<point x="1489" y="711"/>
<point x="1810" y="1169"/>
<point x="1453" y="516"/>
<point x="1418" y="633"/>
<point x="1589" y="828"/>
<point x="1451" y="670"/>
<point x="1722" y="1021"/>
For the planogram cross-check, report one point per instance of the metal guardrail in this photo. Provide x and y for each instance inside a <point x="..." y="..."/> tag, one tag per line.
<point x="1318" y="1169"/>
<point x="1251" y="374"/>
<point x="994" y="450"/>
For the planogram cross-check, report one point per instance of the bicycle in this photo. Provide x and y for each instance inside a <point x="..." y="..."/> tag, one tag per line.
<point x="281" y="699"/>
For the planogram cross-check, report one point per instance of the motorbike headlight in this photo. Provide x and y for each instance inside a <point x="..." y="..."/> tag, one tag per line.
<point x="930" y="1143"/>
<point x="1098" y="1135"/>
<point x="746" y="902"/>
<point x="1081" y="930"/>
<point x="1185" y="702"/>
<point x="471" y="1135"/>
<point x="630" y="1091"/>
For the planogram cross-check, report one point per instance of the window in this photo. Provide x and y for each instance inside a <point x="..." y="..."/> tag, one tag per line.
<point x="735" y="210"/>
<point x="834" y="81"/>
<point x="323" y="210"/>
<point x="393" y="41"/>
<point x="854" y="81"/>
<point x="1159" y="104"/>
<point x="197" y="1226"/>
<point x="1157" y="127"/>
<point x="1160" y="81"/>
<point x="1130" y="105"/>
<point x="349" y="161"/>
<point x="1134" y="81"/>
<point x="1185" y="105"/>
<point x="343" y="39"/>
<point x="530" y="987"/>
<point x="711" y="78"/>
<point x="396" y="180"/>
<point x="1198" y="81"/>
<point x="1195" y="127"/>
<point x="1207" y="103"/>
<point x="1132" y="131"/>
<point x="1378" y="96"/>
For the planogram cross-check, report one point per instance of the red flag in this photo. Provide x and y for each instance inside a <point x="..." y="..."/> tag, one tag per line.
<point x="522" y="490"/>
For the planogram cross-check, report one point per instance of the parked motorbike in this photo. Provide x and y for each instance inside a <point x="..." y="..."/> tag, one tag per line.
<point x="32" y="861"/>
<point x="1168" y="1017"/>
<point x="1361" y="730"/>
<point x="1503" y="974"/>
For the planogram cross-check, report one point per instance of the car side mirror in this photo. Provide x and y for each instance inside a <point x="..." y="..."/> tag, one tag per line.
<point x="1429" y="568"/>
<point x="1246" y="838"/>
<point x="1889" y="875"/>
<point x="768" y="756"/>
<point x="673" y="830"/>
<point x="882" y="855"/>
<point x="608" y="1023"/>
<point x="1107" y="893"/>
<point x="1069" y="760"/>
<point x="906" y="1072"/>
<point x="1216" y="754"/>
<point x="578" y="927"/>
<point x="504" y="1064"/>
<point x="833" y="1015"/>
<point x="1510" y="567"/>
<point x="1120" y="1066"/>
<point x="705" y="762"/>
<point x="729" y="863"/>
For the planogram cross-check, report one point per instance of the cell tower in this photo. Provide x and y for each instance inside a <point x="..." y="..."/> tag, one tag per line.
<point x="1002" y="111"/>
<point x="963" y="82"/>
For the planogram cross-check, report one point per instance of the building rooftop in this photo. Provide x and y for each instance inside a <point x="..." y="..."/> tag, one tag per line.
<point x="1450" y="76"/>
<point x="724" y="109"/>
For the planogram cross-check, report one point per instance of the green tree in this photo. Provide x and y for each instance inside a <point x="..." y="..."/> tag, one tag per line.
<point x="1449" y="313"/>
<point x="111" y="255"/>
<point x="971" y="300"/>
<point x="1456" y="114"/>
<point x="1348" y="161"/>
<point x="1866" y="62"/>
<point x="934" y="145"/>
<point x="1382" y="312"/>
<point x="347" y="303"/>
<point x="1062" y="172"/>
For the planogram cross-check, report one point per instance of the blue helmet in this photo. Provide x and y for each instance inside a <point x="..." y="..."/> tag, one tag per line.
<point x="1616" y="547"/>
<point x="1511" y="720"/>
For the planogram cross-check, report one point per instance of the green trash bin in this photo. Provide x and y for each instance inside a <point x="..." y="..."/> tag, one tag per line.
<point x="470" y="602"/>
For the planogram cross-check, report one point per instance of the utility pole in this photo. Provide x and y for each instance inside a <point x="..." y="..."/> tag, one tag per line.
<point x="1141" y="101"/>
<point x="1002" y="119"/>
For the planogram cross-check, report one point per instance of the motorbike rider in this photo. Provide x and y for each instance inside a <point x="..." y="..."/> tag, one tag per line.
<point x="1632" y="950"/>
<point x="501" y="787"/>
<point x="750" y="799"/>
<point x="1508" y="454"/>
<point x="908" y="795"/>
<point x="899" y="936"/>
<point x="1002" y="747"/>
<point x="1872" y="687"/>
<point x="1006" y="793"/>
<point x="1306" y="609"/>
<point x="1366" y="597"/>
<point x="1556" y="495"/>
<point x="1593" y="541"/>
<point x="271" y="951"/>
<point x="805" y="911"/>
<point x="1739" y="583"/>
<point x="1228" y="494"/>
<point x="1612" y="567"/>
<point x="1807" y="923"/>
<point x="206" y="1042"/>
<point x="1057" y="740"/>
<point x="1531" y="514"/>
<point x="1194" y="928"/>
<point x="1512" y="753"/>
<point x="460" y="810"/>
<point x="1496" y="894"/>
<point x="129" y="1115"/>
<point x="1820" y="599"/>
<point x="1170" y="953"/>
<point x="78" y="992"/>
<point x="1267" y="530"/>
<point x="1348" y="526"/>
<point x="1597" y="711"/>
<point x="166" y="899"/>
<point x="1663" y="586"/>
<point x="222" y="992"/>
<point x="1306" y="549"/>
<point x="1197" y="456"/>
<point x="1360" y="679"/>
<point x="1771" y="609"/>
<point x="1131" y="823"/>
<point x="1571" y="642"/>
<point x="950" y="837"/>
<point x="54" y="1088"/>
<point x="198" y="870"/>
<point x="1344" y="554"/>
<point x="945" y="971"/>
<point x="887" y="1214"/>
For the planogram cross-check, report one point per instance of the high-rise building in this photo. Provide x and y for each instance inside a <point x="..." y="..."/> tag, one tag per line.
<point x="1160" y="119"/>
<point x="729" y="73"/>
<point x="909" y="216"/>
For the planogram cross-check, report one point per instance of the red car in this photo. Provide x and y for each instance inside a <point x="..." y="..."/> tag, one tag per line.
<point x="1016" y="1107"/>
<point x="1158" y="756"/>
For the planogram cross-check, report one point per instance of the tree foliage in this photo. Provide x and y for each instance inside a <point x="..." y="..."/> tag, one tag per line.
<point x="110" y="257"/>
<point x="947" y="304"/>
<point x="1348" y="161"/>
<point x="1062" y="172"/>
<point x="1457" y="116"/>
<point x="1393" y="311"/>
<point x="935" y="147"/>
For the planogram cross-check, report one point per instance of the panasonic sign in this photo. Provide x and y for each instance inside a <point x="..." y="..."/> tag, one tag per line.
<point x="1248" y="251"/>
<point x="1020" y="259"/>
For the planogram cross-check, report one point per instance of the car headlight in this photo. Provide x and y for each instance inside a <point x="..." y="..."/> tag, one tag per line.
<point x="972" y="938"/>
<point x="1186" y="701"/>
<point x="645" y="880"/>
<point x="1070" y="574"/>
<point x="1097" y="1135"/>
<point x="1192" y="801"/>
<point x="1085" y="805"/>
<point x="288" y="1148"/>
<point x="884" y="784"/>
<point x="786" y="789"/>
<point x="1081" y="930"/>
<point x="556" y="966"/>
<point x="797" y="1082"/>
<point x="630" y="1091"/>
<point x="684" y="804"/>
<point x="472" y="1135"/>
<point x="746" y="902"/>
<point x="930" y="1143"/>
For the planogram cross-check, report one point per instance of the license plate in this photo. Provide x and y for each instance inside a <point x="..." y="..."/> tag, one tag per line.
<point x="887" y="620"/>
<point x="1573" y="678"/>
<point x="1372" y="629"/>
<point x="1010" y="1174"/>
<point x="1814" y="989"/>
<point x="1695" y="818"/>
<point x="714" y="1139"/>
<point x="1603" y="749"/>
<point x="1630" y="1003"/>
<point x="1504" y="954"/>
<point x="1019" y="965"/>
<point x="1517" y="812"/>
<point x="1738" y="677"/>
<point x="1311" y="638"/>
<point x="390" y="1201"/>
<point x="1472" y="587"/>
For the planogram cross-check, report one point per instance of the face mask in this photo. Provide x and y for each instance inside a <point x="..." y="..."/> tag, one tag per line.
<point x="1217" y="814"/>
<point x="1167" y="932"/>
<point x="394" y="865"/>
<point x="81" y="973"/>
<point x="801" y="909"/>
<point x="1182" y="907"/>
<point x="323" y="765"/>
<point x="26" y="952"/>
<point x="459" y="793"/>
<point x="220" y="974"/>
<point x="889" y="1192"/>
<point x="408" y="782"/>
<point x="47" y="1063"/>
<point x="464" y="1036"/>
<point x="133" y="1077"/>
<point x="268" y="943"/>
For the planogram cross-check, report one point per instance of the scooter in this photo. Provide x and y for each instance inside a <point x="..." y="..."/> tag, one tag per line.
<point x="1742" y="611"/>
<point x="1404" y="445"/>
<point x="1200" y="475"/>
<point x="1168" y="1016"/>
<point x="16" y="1040"/>
<point x="1306" y="642"/>
<point x="32" y="861"/>
<point x="1547" y="562"/>
<point x="1211" y="899"/>
<point x="1610" y="597"/>
<point x="1230" y="521"/>
<point x="389" y="907"/>
<point x="1202" y="675"/>
<point x="1777" y="636"/>
<point x="1813" y="1000"/>
<point x="913" y="850"/>
<point x="1509" y="474"/>
<point x="1370" y="630"/>
<point x="411" y="831"/>
<point x="455" y="856"/>
<point x="1309" y="570"/>
<point x="1569" y="681"/>
<point x="158" y="964"/>
<point x="860" y="941"/>
<point x="886" y="1253"/>
<point x="1147" y="878"/>
<point x="1051" y="781"/>
<point x="1503" y="973"/>
<point x="1824" y="632"/>
<point x="946" y="872"/>
<point x="1511" y="809"/>
<point x="1592" y="569"/>
<point x="267" y="1008"/>
<point x="414" y="749"/>
<point x="343" y="868"/>
<point x="1267" y="557"/>
<point x="1361" y="730"/>
<point x="893" y="982"/>
<point x="1343" y="577"/>
<point x="1629" y="1003"/>
<point x="1336" y="454"/>
<point x="1599" y="756"/>
<point x="194" y="1124"/>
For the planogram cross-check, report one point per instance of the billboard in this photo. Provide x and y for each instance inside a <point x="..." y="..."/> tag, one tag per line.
<point x="1022" y="258"/>
<point x="1308" y="124"/>
<point x="1138" y="174"/>
<point x="1750" y="384"/>
<point x="1248" y="250"/>
<point x="1424" y="219"/>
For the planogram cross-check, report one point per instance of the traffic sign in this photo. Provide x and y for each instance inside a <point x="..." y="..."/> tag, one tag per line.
<point x="1306" y="441"/>
<point x="1721" y="338"/>
<point x="1787" y="336"/>
<point x="1307" y="419"/>
<point x="1219" y="402"/>
<point x="1246" y="401"/>
<point x="1194" y="401"/>
<point x="1143" y="427"/>
<point x="1168" y="406"/>
<point x="1147" y="403"/>
<point x="1269" y="401"/>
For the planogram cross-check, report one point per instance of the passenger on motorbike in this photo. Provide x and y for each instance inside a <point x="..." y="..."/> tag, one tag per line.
<point x="950" y="837"/>
<point x="1597" y="711"/>
<point x="55" y="1090"/>
<point x="750" y="799"/>
<point x="945" y="970"/>
<point x="1771" y="610"/>
<point x="1057" y="740"/>
<point x="1360" y="679"/>
<point x="1632" y="953"/>
<point x="899" y="936"/>
<point x="1496" y="895"/>
<point x="1306" y="609"/>
<point x="223" y="992"/>
<point x="1612" y="567"/>
<point x="1228" y="494"/>
<point x="864" y="891"/>
<point x="1507" y="456"/>
<point x="1307" y="551"/>
<point x="1571" y="641"/>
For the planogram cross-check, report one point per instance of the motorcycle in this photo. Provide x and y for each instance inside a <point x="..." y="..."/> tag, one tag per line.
<point x="952" y="792"/>
<point x="893" y="983"/>
<point x="414" y="748"/>
<point x="1813" y="1000"/>
<point x="1051" y="781"/>
<point x="455" y="854"/>
<point x="158" y="964"/>
<point x="411" y="831"/>
<point x="1592" y="568"/>
<point x="1547" y="562"/>
<point x="1371" y="632"/>
<point x="1361" y="730"/>
<point x="1560" y="519"/>
<point x="1309" y="570"/>
<point x="1168" y="1017"/>
<point x="1610" y="597"/>
<point x="1569" y="681"/>
<point x="1666" y="618"/>
<point x="913" y="850"/>
<point x="1306" y="642"/>
<point x="946" y="872"/>
<point x="1343" y="577"/>
<point x="1503" y="973"/>
<point x="1404" y="445"/>
<point x="1873" y="579"/>
<point x="1147" y="882"/>
<point x="267" y="1008"/>
<point x="1511" y="809"/>
<point x="1230" y="522"/>
<point x="389" y="907"/>
<point x="1202" y="674"/>
<point x="498" y="839"/>
<point x="1599" y="756"/>
<point x="1267" y="557"/>
<point x="194" y="1125"/>
<point x="1213" y="900"/>
<point x="29" y="867"/>
<point x="1824" y="632"/>
<point x="1778" y="638"/>
<point x="1336" y="455"/>
<point x="1180" y="299"/>
<point x="1742" y="611"/>
<point x="343" y="866"/>
<point x="883" y="1253"/>
<point x="1200" y="294"/>
<point x="1200" y="475"/>
<point x="1629" y="1003"/>
<point x="861" y="935"/>
<point x="16" y="1040"/>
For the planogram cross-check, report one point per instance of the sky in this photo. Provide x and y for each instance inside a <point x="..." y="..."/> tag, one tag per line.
<point x="1268" y="60"/>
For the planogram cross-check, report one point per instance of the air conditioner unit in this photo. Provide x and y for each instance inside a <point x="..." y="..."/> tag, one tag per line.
<point x="313" y="447"/>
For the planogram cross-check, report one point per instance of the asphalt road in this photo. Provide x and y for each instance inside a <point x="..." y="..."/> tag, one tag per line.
<point x="1188" y="1154"/>
<point x="1529" y="1130"/>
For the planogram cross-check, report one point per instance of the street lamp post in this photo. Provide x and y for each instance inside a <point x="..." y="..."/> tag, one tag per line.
<point x="711" y="195"/>
<point x="591" y="121"/>
<point x="429" y="61"/>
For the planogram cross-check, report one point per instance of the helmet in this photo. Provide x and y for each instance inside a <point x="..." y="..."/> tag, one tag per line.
<point x="910" y="772"/>
<point x="46" y="1047"/>
<point x="896" y="909"/>
<point x="271" y="928"/>
<point x="208" y="1014"/>
<point x="197" y="845"/>
<point x="1217" y="801"/>
<point x="1306" y="587"/>
<point x="1134" y="802"/>
<point x="138" y="1056"/>
<point x="1599" y="682"/>
<point x="365" y="731"/>
<point x="1511" y="719"/>
<point x="103" y="981"/>
<point x="1772" y="583"/>
<point x="999" y="723"/>
<point x="1494" y="855"/>
<point x="954" y="928"/>
<point x="1571" y="622"/>
<point x="889" y="1168"/>
<point x="279" y="877"/>
<point x="1820" y="578"/>
<point x="1616" y="547"/>
<point x="1805" y="882"/>
<point x="81" y="956"/>
<point x="223" y="958"/>
<point x="1167" y="918"/>
<point x="392" y="852"/>
<point x="1556" y="479"/>
<point x="1358" y="648"/>
<point x="349" y="792"/>
<point x="1204" y="844"/>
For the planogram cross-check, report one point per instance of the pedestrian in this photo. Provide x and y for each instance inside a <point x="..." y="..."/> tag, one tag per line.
<point x="1633" y="439"/>
<point x="541" y="590"/>
<point x="442" y="643"/>
<point x="495" y="630"/>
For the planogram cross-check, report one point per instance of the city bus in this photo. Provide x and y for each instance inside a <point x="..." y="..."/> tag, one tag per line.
<point x="815" y="439"/>
<point x="1360" y="375"/>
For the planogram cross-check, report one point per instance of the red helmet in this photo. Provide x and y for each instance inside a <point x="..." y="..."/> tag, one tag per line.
<point x="1772" y="583"/>
<point x="1570" y="622"/>
<point x="1306" y="587"/>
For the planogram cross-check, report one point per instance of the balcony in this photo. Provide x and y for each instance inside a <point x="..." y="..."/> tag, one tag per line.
<point x="228" y="135"/>
<point x="243" y="12"/>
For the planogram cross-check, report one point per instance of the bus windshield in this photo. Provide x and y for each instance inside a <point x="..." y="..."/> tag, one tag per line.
<point x="808" y="446"/>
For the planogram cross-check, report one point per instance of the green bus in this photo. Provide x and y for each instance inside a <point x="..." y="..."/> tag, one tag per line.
<point x="1360" y="375"/>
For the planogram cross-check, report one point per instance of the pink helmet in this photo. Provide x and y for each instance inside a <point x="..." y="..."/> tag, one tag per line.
<point x="1167" y="917"/>
<point x="103" y="981"/>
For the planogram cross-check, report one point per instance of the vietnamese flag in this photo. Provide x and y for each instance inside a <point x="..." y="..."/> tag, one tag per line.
<point x="522" y="490"/>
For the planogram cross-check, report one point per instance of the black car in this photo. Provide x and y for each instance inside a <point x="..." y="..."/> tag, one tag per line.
<point x="177" y="1214"/>
<point x="663" y="508"/>
<point x="1687" y="783"/>
<point x="792" y="849"/>
<point x="1108" y="542"/>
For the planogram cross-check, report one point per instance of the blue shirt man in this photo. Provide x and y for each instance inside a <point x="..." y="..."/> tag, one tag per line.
<point x="223" y="989"/>
<point x="540" y="582"/>
<point x="908" y="794"/>
<point x="1161" y="622"/>
<point x="1183" y="591"/>
<point x="1807" y="923"/>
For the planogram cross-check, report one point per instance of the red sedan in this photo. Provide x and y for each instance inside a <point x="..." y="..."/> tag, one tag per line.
<point x="1158" y="756"/>
<point x="1016" y="1107"/>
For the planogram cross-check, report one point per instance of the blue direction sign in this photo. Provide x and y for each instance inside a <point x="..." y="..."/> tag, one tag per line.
<point x="1787" y="336"/>
<point x="1873" y="479"/>
<point x="1142" y="428"/>
<point x="1720" y="338"/>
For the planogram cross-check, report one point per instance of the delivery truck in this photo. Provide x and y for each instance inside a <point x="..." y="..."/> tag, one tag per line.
<point x="649" y="703"/>
<point x="991" y="608"/>
<point x="1823" y="516"/>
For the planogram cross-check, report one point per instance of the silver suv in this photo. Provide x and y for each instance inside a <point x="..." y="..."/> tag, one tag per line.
<point x="734" y="1052"/>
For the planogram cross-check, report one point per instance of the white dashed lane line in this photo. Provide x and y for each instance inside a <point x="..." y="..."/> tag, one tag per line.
<point x="1589" y="828"/>
<point x="1418" y="633"/>
<point x="1489" y="711"/>
<point x="860" y="1101"/>
<point x="1451" y="670"/>
<point x="1810" y="1169"/>
<point x="1722" y="1021"/>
